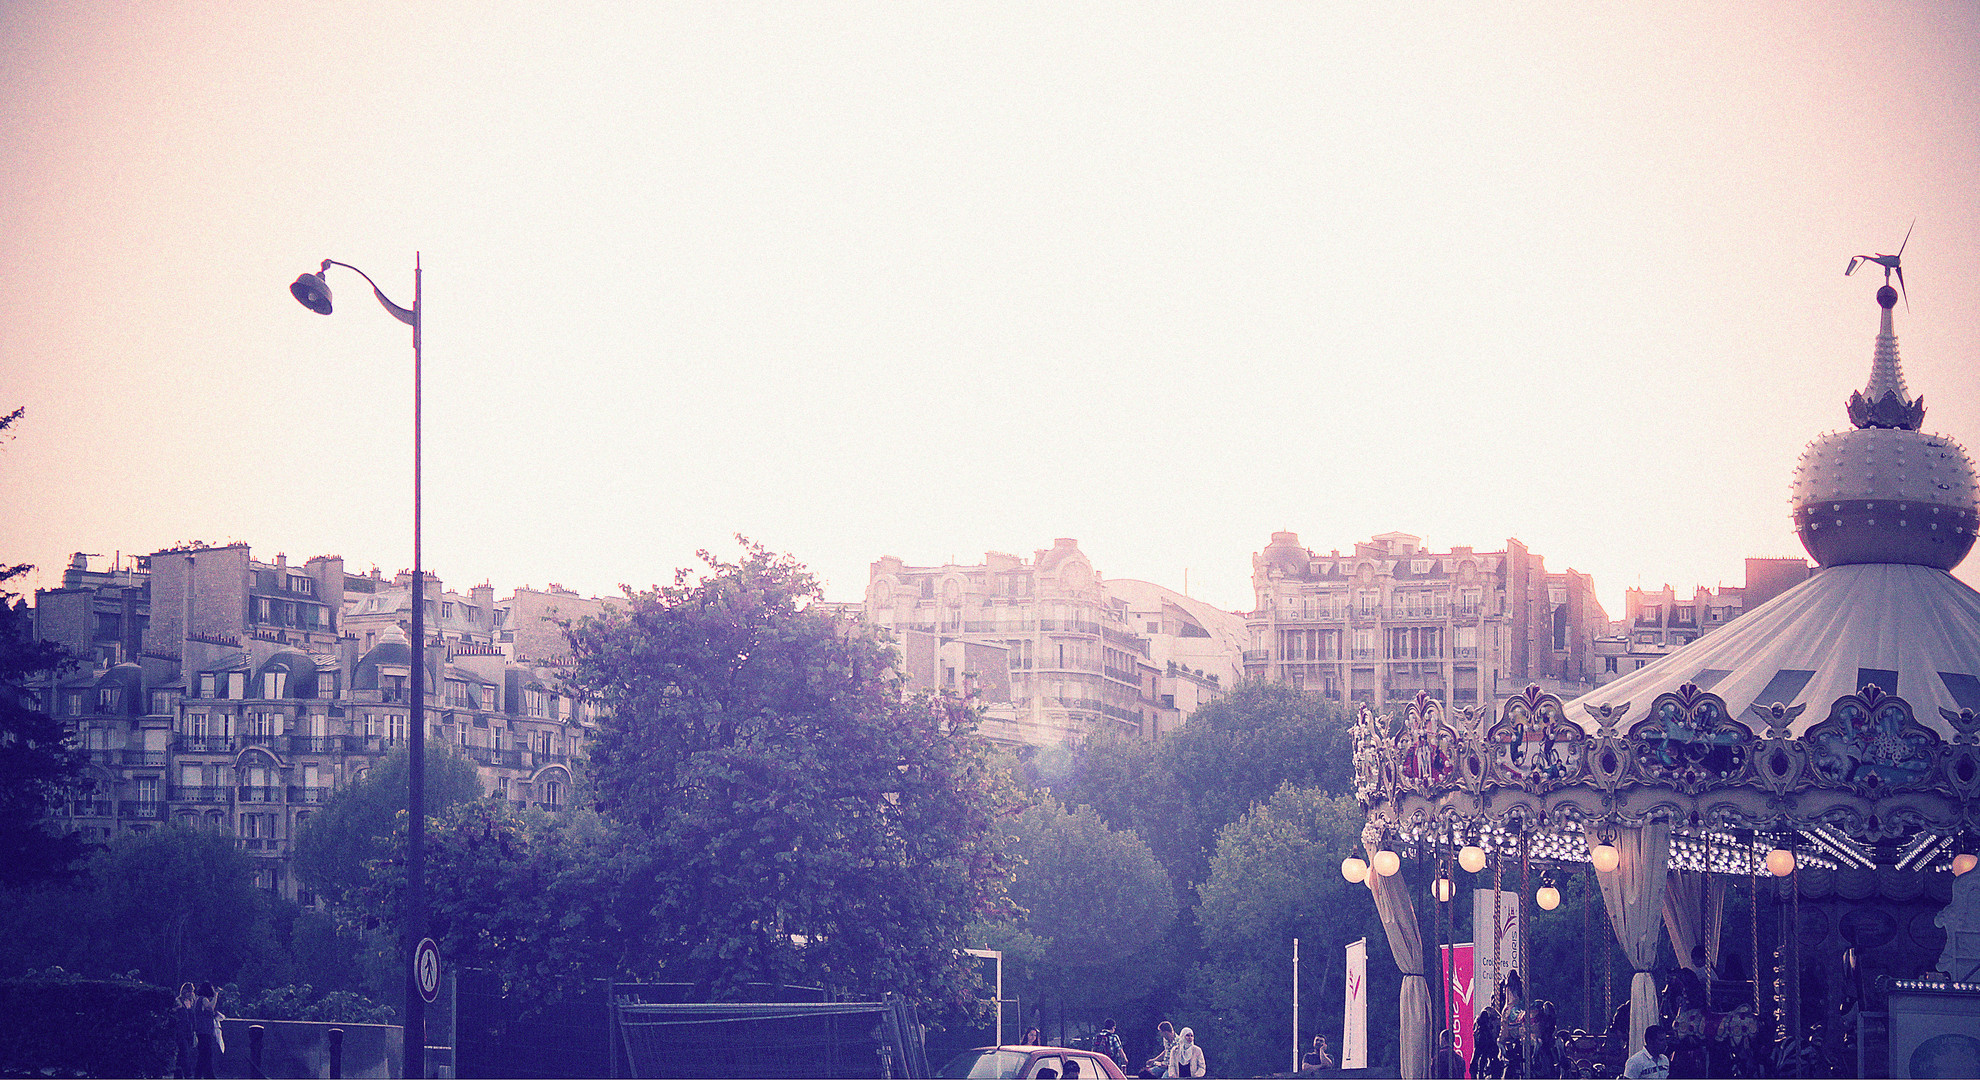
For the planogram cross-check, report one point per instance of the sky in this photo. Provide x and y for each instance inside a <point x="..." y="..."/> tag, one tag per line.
<point x="931" y="280"/>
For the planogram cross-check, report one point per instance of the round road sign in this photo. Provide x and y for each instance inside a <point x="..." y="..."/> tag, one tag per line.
<point x="426" y="969"/>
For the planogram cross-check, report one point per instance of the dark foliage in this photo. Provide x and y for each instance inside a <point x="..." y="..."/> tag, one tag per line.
<point x="61" y="1025"/>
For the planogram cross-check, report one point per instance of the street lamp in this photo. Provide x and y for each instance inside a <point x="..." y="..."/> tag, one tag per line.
<point x="313" y="292"/>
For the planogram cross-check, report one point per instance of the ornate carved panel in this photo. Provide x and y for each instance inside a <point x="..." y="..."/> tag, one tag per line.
<point x="1871" y="744"/>
<point x="1533" y="746"/>
<point x="1689" y="742"/>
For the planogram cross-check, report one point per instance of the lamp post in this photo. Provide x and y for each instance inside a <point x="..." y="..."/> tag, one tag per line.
<point x="313" y="292"/>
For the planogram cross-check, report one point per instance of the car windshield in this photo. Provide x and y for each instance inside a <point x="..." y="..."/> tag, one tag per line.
<point x="983" y="1065"/>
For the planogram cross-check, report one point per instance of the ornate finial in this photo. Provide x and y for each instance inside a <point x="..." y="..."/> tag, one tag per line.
<point x="1885" y="403"/>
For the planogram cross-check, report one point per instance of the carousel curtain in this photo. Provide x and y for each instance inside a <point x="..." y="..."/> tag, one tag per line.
<point x="1694" y="914"/>
<point x="1398" y="915"/>
<point x="1633" y="893"/>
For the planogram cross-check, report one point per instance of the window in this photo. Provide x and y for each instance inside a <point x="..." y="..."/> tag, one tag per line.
<point x="1609" y="664"/>
<point x="274" y="684"/>
<point x="161" y="702"/>
<point x="75" y="703"/>
<point x="109" y="699"/>
<point x="447" y="609"/>
<point x="207" y="684"/>
<point x="237" y="684"/>
<point x="553" y="794"/>
<point x="302" y="586"/>
<point x="147" y="789"/>
<point x="263" y="610"/>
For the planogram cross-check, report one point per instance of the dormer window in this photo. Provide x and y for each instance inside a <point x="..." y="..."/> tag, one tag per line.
<point x="301" y="585"/>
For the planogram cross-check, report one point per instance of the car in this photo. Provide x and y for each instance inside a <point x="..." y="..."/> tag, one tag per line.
<point x="1028" y="1063"/>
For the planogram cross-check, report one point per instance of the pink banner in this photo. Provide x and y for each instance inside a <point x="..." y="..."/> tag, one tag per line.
<point x="1459" y="987"/>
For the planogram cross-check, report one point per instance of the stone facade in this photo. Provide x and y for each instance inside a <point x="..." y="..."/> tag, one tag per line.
<point x="1071" y="657"/>
<point x="231" y="693"/>
<point x="1394" y="618"/>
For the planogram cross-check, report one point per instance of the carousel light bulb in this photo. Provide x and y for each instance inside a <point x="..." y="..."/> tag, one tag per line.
<point x="1443" y="889"/>
<point x="1472" y="858"/>
<point x="1548" y="898"/>
<point x="1605" y="857"/>
<point x="1387" y="863"/>
<point x="1780" y="862"/>
<point x="1353" y="870"/>
<point x="1963" y="862"/>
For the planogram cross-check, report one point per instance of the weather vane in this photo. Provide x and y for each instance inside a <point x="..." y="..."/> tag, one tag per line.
<point x="1890" y="264"/>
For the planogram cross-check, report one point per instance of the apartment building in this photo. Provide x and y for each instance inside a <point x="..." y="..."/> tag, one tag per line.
<point x="257" y="688"/>
<point x="1657" y="622"/>
<point x="1395" y="618"/>
<point x="1051" y="647"/>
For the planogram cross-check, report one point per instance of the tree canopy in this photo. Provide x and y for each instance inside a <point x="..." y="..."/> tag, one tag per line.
<point x="806" y="822"/>
<point x="337" y="845"/>
<point x="38" y="768"/>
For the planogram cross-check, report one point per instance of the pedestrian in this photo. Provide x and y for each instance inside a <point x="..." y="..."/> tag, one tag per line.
<point x="1032" y="1038"/>
<point x="1108" y="1044"/>
<point x="1317" y="1060"/>
<point x="1186" y="1059"/>
<point x="183" y="1036"/>
<point x="1485" y="1039"/>
<point x="206" y="1029"/>
<point x="1512" y="1026"/>
<point x="1651" y="1062"/>
<point x="1158" y="1065"/>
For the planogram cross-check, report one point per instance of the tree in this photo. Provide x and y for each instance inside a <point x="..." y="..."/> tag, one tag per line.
<point x="1096" y="905"/>
<point x="806" y="821"/>
<point x="544" y="901"/>
<point x="1179" y="791"/>
<point x="38" y="768"/>
<point x="354" y="827"/>
<point x="1274" y="878"/>
<point x="177" y="904"/>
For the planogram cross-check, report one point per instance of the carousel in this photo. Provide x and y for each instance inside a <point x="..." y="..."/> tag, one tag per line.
<point x="1818" y="758"/>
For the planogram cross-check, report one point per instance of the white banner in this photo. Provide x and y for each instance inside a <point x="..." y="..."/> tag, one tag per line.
<point x="1354" y="1038"/>
<point x="1495" y="949"/>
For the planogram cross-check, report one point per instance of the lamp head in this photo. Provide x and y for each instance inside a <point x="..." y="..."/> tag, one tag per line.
<point x="312" y="292"/>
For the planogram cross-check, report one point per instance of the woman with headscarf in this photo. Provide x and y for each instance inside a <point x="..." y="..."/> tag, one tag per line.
<point x="1186" y="1058"/>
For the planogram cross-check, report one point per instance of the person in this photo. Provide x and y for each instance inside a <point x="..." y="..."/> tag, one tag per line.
<point x="1108" y="1042"/>
<point x="1485" y="1038"/>
<point x="1159" y="1064"/>
<point x="1318" y="1058"/>
<point x="1072" y="1068"/>
<point x="1449" y="1064"/>
<point x="1652" y="1062"/>
<point x="206" y="1029"/>
<point x="1186" y="1058"/>
<point x="1512" y="1025"/>
<point x="1031" y="1037"/>
<point x="183" y="1033"/>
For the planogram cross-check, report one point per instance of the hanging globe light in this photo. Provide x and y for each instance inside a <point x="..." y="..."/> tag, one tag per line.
<point x="1605" y="857"/>
<point x="1780" y="862"/>
<point x="1387" y="863"/>
<point x="1548" y="898"/>
<point x="1964" y="861"/>
<point x="1443" y="889"/>
<point x="1353" y="870"/>
<point x="1472" y="858"/>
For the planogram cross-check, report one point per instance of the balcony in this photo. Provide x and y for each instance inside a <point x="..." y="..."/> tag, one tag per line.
<point x="143" y="811"/>
<point x="1366" y="654"/>
<point x="202" y="744"/>
<point x="151" y="758"/>
<point x="202" y="794"/>
<point x="1257" y="656"/>
<point x="260" y="843"/>
<point x="258" y="794"/>
<point x="1465" y="652"/>
<point x="499" y="759"/>
<point x="92" y="808"/>
<point x="314" y="744"/>
<point x="277" y="743"/>
<point x="309" y="794"/>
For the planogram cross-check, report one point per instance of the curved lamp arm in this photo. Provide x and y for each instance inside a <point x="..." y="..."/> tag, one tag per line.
<point x="314" y="293"/>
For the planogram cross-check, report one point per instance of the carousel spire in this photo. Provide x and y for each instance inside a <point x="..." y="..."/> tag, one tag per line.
<point x="1885" y="403"/>
<point x="1882" y="491"/>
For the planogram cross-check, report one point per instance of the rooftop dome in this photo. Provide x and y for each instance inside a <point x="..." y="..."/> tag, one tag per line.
<point x="1882" y="491"/>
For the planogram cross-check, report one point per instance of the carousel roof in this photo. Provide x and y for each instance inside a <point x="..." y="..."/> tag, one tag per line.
<point x="1913" y="631"/>
<point x="1886" y="510"/>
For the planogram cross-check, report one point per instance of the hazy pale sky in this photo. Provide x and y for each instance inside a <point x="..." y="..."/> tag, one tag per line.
<point x="935" y="279"/>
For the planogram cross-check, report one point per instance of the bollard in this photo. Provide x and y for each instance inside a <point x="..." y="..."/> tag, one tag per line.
<point x="254" y="1052"/>
<point x="336" y="1054"/>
